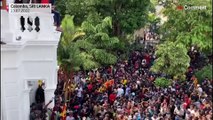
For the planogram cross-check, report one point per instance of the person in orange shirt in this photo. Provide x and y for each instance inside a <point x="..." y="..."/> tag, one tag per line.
<point x="107" y="84"/>
<point x="111" y="82"/>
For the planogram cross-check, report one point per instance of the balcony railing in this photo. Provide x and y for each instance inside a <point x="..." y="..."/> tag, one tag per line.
<point x="36" y="25"/>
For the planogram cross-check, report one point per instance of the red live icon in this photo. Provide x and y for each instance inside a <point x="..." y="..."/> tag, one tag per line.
<point x="7" y="8"/>
<point x="179" y="7"/>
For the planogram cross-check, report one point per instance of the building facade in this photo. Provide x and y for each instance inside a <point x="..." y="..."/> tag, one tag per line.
<point x="29" y="55"/>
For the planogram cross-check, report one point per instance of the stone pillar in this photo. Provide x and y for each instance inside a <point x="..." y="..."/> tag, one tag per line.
<point x="25" y="105"/>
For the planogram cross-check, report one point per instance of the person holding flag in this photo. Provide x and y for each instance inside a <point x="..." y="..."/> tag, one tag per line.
<point x="40" y="98"/>
<point x="64" y="111"/>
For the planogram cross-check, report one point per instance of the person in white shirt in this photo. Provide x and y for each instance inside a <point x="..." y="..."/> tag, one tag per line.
<point x="188" y="115"/>
<point x="120" y="92"/>
<point x="77" y="78"/>
<point x="143" y="62"/>
<point x="79" y="92"/>
<point x="154" y="117"/>
<point x="83" y="80"/>
<point x="179" y="111"/>
<point x="197" y="114"/>
<point x="130" y="117"/>
<point x="70" y="117"/>
<point x="200" y="90"/>
<point x="127" y="92"/>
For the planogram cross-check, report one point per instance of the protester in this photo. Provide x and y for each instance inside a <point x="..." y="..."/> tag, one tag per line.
<point x="40" y="93"/>
<point x="56" y="17"/>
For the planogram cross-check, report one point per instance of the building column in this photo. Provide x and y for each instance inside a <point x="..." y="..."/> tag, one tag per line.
<point x="25" y="105"/>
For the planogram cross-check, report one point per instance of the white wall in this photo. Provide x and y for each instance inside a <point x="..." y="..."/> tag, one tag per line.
<point x="10" y="1"/>
<point x="30" y="59"/>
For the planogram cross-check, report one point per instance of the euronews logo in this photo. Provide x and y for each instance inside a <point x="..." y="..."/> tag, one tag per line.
<point x="191" y="7"/>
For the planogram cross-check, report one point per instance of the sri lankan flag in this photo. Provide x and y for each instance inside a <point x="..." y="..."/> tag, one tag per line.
<point x="63" y="113"/>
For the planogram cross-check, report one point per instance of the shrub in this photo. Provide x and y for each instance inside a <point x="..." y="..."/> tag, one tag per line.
<point x="162" y="82"/>
<point x="206" y="71"/>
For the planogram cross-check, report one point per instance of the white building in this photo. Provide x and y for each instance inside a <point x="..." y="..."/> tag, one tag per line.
<point x="26" y="58"/>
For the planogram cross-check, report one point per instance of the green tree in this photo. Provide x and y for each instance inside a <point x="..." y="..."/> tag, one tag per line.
<point x="127" y="15"/>
<point x="162" y="82"/>
<point x="182" y="30"/>
<point x="78" y="8"/>
<point x="68" y="53"/>
<point x="206" y="71"/>
<point x="189" y="27"/>
<point x="172" y="59"/>
<point x="87" y="47"/>
<point x="97" y="45"/>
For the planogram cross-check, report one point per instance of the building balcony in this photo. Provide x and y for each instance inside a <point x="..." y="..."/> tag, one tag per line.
<point x="19" y="28"/>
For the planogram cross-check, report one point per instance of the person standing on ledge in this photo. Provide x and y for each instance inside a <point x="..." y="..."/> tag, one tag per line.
<point x="57" y="16"/>
<point x="40" y="93"/>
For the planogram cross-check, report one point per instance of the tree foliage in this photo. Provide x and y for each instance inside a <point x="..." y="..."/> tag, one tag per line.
<point x="88" y="46"/>
<point x="189" y="27"/>
<point x="78" y="8"/>
<point x="127" y="15"/>
<point x="206" y="71"/>
<point x="172" y="59"/>
<point x="162" y="82"/>
<point x="182" y="30"/>
<point x="68" y="53"/>
<point x="98" y="43"/>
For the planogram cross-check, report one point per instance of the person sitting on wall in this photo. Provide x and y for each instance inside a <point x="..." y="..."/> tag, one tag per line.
<point x="40" y="93"/>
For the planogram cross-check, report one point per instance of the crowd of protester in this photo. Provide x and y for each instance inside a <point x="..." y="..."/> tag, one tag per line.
<point x="125" y="91"/>
<point x="147" y="35"/>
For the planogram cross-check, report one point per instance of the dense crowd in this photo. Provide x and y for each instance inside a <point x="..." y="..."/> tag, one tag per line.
<point x="125" y="91"/>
